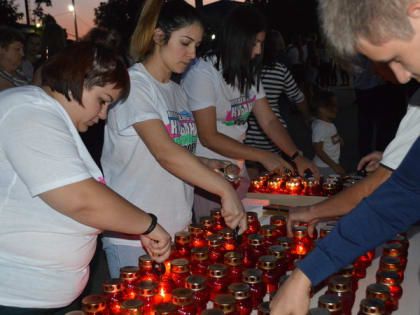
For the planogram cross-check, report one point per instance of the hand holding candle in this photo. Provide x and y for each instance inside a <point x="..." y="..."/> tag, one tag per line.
<point x="157" y="244"/>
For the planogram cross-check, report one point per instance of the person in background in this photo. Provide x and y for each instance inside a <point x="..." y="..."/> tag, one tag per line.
<point x="54" y="201"/>
<point x="388" y="34"/>
<point x="277" y="82"/>
<point x="325" y="139"/>
<point x="32" y="59"/>
<point x="150" y="139"/>
<point x="11" y="54"/>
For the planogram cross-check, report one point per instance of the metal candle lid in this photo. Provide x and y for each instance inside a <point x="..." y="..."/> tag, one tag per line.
<point x="129" y="273"/>
<point x="182" y="238"/>
<point x="233" y="259"/>
<point x="180" y="265"/>
<point x="252" y="276"/>
<point x="232" y="172"/>
<point x="93" y="303"/>
<point x="224" y="302"/>
<point x="278" y="251"/>
<point x="378" y="291"/>
<point x="164" y="309"/>
<point x="226" y="233"/>
<point x="255" y="239"/>
<point x="347" y="272"/>
<point x="268" y="230"/>
<point x="251" y="216"/>
<point x="339" y="284"/>
<point x="325" y="230"/>
<point x="112" y="286"/>
<point x="196" y="283"/>
<point x="132" y="307"/>
<point x="200" y="253"/>
<point x="145" y="262"/>
<point x="300" y="231"/>
<point x="278" y="220"/>
<point x="214" y="240"/>
<point x="284" y="241"/>
<point x="239" y="290"/>
<point x="207" y="222"/>
<point x="147" y="288"/>
<point x="217" y="270"/>
<point x="267" y="262"/>
<point x="372" y="307"/>
<point x="388" y="278"/>
<point x="182" y="296"/>
<point x="390" y="263"/>
<point x="195" y="229"/>
<point x="216" y="213"/>
<point x="319" y="311"/>
<point x="393" y="249"/>
<point x="331" y="302"/>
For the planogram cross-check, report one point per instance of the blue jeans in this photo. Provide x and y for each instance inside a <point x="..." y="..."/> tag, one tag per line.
<point x="119" y="256"/>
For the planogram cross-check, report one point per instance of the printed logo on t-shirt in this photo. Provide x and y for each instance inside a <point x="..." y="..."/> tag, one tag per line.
<point x="335" y="139"/>
<point x="182" y="129"/>
<point x="241" y="107"/>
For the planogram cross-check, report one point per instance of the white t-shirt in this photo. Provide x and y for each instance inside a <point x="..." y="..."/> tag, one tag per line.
<point x="408" y="132"/>
<point x="129" y="167"/>
<point x="326" y="132"/>
<point x="44" y="255"/>
<point x="205" y="87"/>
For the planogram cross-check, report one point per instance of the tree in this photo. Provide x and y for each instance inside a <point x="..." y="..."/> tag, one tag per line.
<point x="39" y="10"/>
<point x="120" y="15"/>
<point x="9" y="13"/>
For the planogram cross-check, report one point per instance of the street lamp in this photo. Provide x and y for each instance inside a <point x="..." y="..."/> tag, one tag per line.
<point x="73" y="10"/>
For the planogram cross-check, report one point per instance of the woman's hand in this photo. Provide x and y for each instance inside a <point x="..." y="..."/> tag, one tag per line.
<point x="371" y="161"/>
<point x="302" y="164"/>
<point x="157" y="244"/>
<point x="301" y="214"/>
<point x="293" y="296"/>
<point x="274" y="163"/>
<point x="233" y="211"/>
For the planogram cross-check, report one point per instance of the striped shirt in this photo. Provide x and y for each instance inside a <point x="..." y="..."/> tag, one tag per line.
<point x="276" y="81"/>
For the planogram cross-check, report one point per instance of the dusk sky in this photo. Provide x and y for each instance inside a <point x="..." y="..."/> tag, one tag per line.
<point x="84" y="13"/>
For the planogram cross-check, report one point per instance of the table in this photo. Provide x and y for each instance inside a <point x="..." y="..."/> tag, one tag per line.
<point x="287" y="200"/>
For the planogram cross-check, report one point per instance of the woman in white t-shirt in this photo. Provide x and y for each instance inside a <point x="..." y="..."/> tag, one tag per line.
<point x="53" y="201"/>
<point x="223" y="88"/>
<point x="150" y="139"/>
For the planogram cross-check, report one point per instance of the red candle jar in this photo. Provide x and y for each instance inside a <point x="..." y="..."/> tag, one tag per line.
<point x="264" y="308"/>
<point x="254" y="250"/>
<point x="146" y="269"/>
<point x="294" y="185"/>
<point x="234" y="261"/>
<point x="341" y="287"/>
<point x="362" y="263"/>
<point x="229" y="244"/>
<point x="318" y="311"/>
<point x="183" y="299"/>
<point x="165" y="309"/>
<point x="270" y="235"/>
<point x="198" y="238"/>
<point x="348" y="273"/>
<point x="312" y="187"/>
<point x="287" y="245"/>
<point x="165" y="289"/>
<point x="395" y="250"/>
<point x="392" y="280"/>
<point x="113" y="292"/>
<point x="94" y="304"/>
<point x="212" y="312"/>
<point x="147" y="291"/>
<point x="325" y="230"/>
<point x="301" y="243"/>
<point x="129" y="278"/>
<point x="332" y="303"/>
<point x="253" y="226"/>
<point x="216" y="250"/>
<point x="201" y="295"/>
<point x="182" y="245"/>
<point x="132" y="307"/>
<point x="240" y="292"/>
<point x="279" y="222"/>
<point x="225" y="303"/>
<point x="200" y="261"/>
<point x="280" y="253"/>
<point x="180" y="270"/>
<point x="219" y="222"/>
<point x="257" y="288"/>
<point x="381" y="292"/>
<point x="329" y="187"/>
<point x="389" y="263"/>
<point x="268" y="265"/>
<point x="315" y="232"/>
<point x="274" y="185"/>
<point x="401" y="239"/>
<point x="371" y="307"/>
<point x="207" y="224"/>
<point x="257" y="185"/>
<point x="217" y="280"/>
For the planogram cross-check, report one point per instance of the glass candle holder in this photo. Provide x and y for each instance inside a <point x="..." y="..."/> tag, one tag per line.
<point x="257" y="288"/>
<point x="279" y="221"/>
<point x="264" y="308"/>
<point x="332" y="303"/>
<point x="315" y="232"/>
<point x="254" y="250"/>
<point x="165" y="287"/>
<point x="401" y="239"/>
<point x="180" y="270"/>
<point x="253" y="226"/>
<point x="217" y="280"/>
<point x="389" y="263"/>
<point x="312" y="187"/>
<point x="198" y="285"/>
<point x="182" y="245"/>
<point x="287" y="244"/>
<point x="207" y="224"/>
<point x="200" y="261"/>
<point x="129" y="278"/>
<point x="268" y="265"/>
<point x="371" y="307"/>
<point x="270" y="235"/>
<point x="132" y="307"/>
<point x="94" y="304"/>
<point x="340" y="286"/>
<point x="147" y="291"/>
<point x="325" y="230"/>
<point x="198" y="238"/>
<point x="225" y="303"/>
<point x="165" y="309"/>
<point x="361" y="264"/>
<point x="381" y="292"/>
<point x="348" y="273"/>
<point x="392" y="280"/>
<point x="240" y="292"/>
<point x="113" y="293"/>
<point x="183" y="299"/>
<point x="395" y="250"/>
<point x="229" y="244"/>
<point x="329" y="187"/>
<point x="234" y="261"/>
<point x="280" y="253"/>
<point x="301" y="243"/>
<point x="219" y="222"/>
<point x="294" y="186"/>
<point x="257" y="185"/>
<point x="146" y="269"/>
<point x="216" y="250"/>
<point x="274" y="186"/>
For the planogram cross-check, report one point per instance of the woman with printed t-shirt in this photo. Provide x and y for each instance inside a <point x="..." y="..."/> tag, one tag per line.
<point x="150" y="139"/>
<point x="223" y="88"/>
<point x="53" y="201"/>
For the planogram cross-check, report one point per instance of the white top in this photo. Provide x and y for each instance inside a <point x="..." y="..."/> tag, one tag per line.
<point x="408" y="132"/>
<point x="205" y="87"/>
<point x="44" y="255"/>
<point x="129" y="167"/>
<point x="326" y="132"/>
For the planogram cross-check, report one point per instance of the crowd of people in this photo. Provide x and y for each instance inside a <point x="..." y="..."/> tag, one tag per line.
<point x="88" y="144"/>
